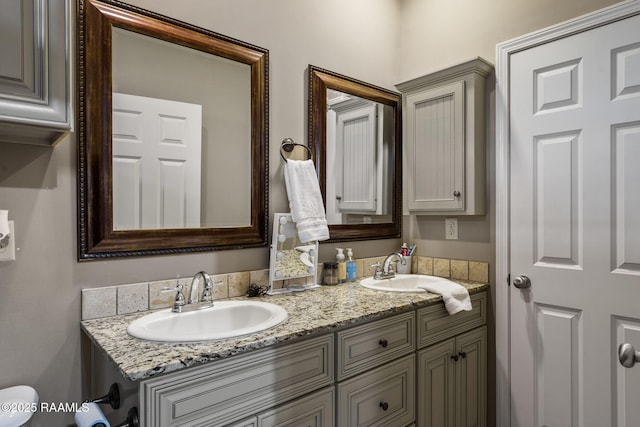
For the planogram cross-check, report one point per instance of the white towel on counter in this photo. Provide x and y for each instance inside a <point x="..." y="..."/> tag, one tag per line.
<point x="456" y="297"/>
<point x="305" y="200"/>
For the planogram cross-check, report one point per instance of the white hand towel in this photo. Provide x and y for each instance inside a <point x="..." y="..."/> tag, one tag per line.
<point x="456" y="297"/>
<point x="305" y="200"/>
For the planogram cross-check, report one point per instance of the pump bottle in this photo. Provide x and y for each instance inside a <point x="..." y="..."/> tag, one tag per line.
<point x="342" y="266"/>
<point x="351" y="266"/>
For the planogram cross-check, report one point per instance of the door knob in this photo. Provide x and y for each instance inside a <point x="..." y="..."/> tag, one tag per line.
<point x="628" y="355"/>
<point x="522" y="282"/>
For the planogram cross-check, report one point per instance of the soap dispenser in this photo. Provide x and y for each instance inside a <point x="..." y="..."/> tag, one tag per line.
<point x="351" y="266"/>
<point x="342" y="266"/>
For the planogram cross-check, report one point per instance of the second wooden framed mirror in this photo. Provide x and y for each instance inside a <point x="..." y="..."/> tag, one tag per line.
<point x="355" y="133"/>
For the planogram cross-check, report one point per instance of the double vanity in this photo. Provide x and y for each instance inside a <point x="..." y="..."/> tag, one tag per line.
<point x="346" y="355"/>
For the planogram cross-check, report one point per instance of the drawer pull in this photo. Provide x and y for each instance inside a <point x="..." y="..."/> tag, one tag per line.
<point x="463" y="354"/>
<point x="383" y="343"/>
<point x="454" y="357"/>
<point x="384" y="406"/>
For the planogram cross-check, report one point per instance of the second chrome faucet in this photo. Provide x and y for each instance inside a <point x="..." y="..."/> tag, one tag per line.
<point x="386" y="270"/>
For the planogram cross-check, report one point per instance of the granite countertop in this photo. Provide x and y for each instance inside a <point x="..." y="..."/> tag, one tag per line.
<point x="314" y="311"/>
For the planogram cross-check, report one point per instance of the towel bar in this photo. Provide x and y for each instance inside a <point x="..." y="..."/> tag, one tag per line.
<point x="288" y="145"/>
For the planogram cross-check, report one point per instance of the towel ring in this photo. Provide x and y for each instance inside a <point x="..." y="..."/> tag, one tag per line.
<point x="288" y="145"/>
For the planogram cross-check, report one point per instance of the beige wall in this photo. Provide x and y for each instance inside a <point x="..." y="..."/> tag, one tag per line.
<point x="437" y="34"/>
<point x="380" y="41"/>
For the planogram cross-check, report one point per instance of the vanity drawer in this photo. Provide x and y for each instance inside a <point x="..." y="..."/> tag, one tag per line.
<point x="436" y="324"/>
<point x="251" y="422"/>
<point x="364" y="347"/>
<point x="229" y="390"/>
<point x="315" y="410"/>
<point x="384" y="396"/>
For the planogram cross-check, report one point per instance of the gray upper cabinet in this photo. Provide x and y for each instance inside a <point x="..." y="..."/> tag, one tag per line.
<point x="34" y="71"/>
<point x="444" y="140"/>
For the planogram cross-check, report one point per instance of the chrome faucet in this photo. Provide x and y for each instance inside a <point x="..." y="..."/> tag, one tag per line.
<point x="180" y="304"/>
<point x="206" y="290"/>
<point x="386" y="270"/>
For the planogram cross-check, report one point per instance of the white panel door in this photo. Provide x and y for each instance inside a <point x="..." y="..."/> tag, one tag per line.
<point x="156" y="163"/>
<point x="575" y="228"/>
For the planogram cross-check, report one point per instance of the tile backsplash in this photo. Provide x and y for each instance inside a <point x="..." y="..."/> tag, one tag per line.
<point x="135" y="297"/>
<point x="132" y="298"/>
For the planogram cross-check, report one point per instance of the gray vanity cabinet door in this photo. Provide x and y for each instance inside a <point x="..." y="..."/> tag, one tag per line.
<point x="34" y="71"/>
<point x="452" y="382"/>
<point x="471" y="379"/>
<point x="436" y="385"/>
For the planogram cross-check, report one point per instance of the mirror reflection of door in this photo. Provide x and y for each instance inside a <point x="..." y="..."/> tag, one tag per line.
<point x="156" y="163"/>
<point x="356" y="135"/>
<point x="153" y="68"/>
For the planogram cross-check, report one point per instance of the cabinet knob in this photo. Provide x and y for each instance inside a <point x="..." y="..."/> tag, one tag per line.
<point x="383" y="343"/>
<point x="463" y="354"/>
<point x="384" y="406"/>
<point x="456" y="193"/>
<point x="454" y="357"/>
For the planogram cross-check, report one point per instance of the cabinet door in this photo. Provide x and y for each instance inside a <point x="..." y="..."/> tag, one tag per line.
<point x="452" y="382"/>
<point x="34" y="71"/>
<point x="435" y="149"/>
<point x="471" y="378"/>
<point x="436" y="382"/>
<point x="315" y="410"/>
<point x="357" y="147"/>
<point x="444" y="130"/>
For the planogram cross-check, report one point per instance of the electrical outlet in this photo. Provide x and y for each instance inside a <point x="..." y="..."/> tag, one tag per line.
<point x="451" y="228"/>
<point x="9" y="253"/>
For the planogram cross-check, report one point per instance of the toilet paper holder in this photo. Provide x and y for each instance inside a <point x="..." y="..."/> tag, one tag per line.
<point x="112" y="397"/>
<point x="132" y="419"/>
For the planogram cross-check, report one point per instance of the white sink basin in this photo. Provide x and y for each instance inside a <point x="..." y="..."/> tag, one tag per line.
<point x="18" y="405"/>
<point x="401" y="283"/>
<point x="226" y="319"/>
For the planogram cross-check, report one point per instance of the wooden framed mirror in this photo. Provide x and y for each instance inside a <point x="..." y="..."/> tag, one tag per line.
<point x="173" y="136"/>
<point x="355" y="133"/>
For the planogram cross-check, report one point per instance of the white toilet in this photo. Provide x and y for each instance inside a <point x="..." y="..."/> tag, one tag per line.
<point x="17" y="405"/>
